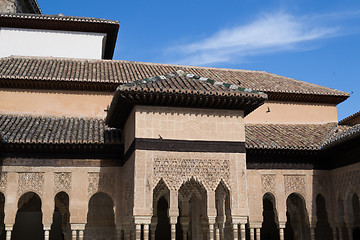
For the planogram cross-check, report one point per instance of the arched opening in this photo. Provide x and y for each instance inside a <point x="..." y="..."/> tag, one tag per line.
<point x="192" y="204"/>
<point x="342" y="232"/>
<point x="269" y="228"/>
<point x="28" y="222"/>
<point x="223" y="211"/>
<point x="60" y="228"/>
<point x="100" y="218"/>
<point x="297" y="224"/>
<point x="323" y="229"/>
<point x="161" y="227"/>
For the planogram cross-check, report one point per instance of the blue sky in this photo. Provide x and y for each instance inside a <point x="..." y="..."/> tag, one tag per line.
<point x="314" y="41"/>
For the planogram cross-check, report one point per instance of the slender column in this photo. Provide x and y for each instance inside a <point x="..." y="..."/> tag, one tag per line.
<point x="173" y="221"/>
<point x="340" y="233"/>
<point x="137" y="231"/>
<point x="312" y="233"/>
<point x="8" y="229"/>
<point x="350" y="232"/>
<point x="252" y="234"/>
<point x="127" y="233"/>
<point x="81" y="234"/>
<point x="334" y="233"/>
<point x="74" y="235"/>
<point x="118" y="231"/>
<point x="281" y="230"/>
<point x="46" y="234"/>
<point x="242" y="231"/>
<point x="146" y="231"/>
<point x="258" y="234"/>
<point x="217" y="232"/>
<point x="185" y="226"/>
<point x="211" y="231"/>
<point x="235" y="231"/>
<point x="153" y="228"/>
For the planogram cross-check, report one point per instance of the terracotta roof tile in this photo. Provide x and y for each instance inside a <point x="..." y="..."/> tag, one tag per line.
<point x="115" y="72"/>
<point x="287" y="136"/>
<point x="341" y="133"/>
<point x="56" y="130"/>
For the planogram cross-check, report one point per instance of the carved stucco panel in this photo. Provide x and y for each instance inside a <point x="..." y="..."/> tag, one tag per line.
<point x="62" y="181"/>
<point x="101" y="182"/>
<point x="3" y="181"/>
<point x="321" y="183"/>
<point x="295" y="183"/>
<point x="268" y="183"/>
<point x="31" y="182"/>
<point x="175" y="171"/>
<point x="344" y="181"/>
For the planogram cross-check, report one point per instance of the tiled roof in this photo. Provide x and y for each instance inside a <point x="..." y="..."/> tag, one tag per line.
<point x="61" y="18"/>
<point x="351" y="120"/>
<point x="56" y="130"/>
<point x="181" y="82"/>
<point x="341" y="133"/>
<point x="287" y="136"/>
<point x="16" y="70"/>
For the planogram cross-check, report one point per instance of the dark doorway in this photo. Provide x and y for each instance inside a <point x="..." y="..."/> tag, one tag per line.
<point x="60" y="228"/>
<point x="28" y="222"/>
<point x="269" y="229"/>
<point x="297" y="224"/>
<point x="323" y="229"/>
<point x="101" y="218"/>
<point x="163" y="228"/>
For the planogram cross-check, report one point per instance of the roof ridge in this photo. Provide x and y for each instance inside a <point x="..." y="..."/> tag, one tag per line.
<point x="48" y="116"/>
<point x="181" y="73"/>
<point x="349" y="117"/>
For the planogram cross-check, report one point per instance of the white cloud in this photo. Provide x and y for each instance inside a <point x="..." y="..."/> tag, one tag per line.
<point x="269" y="33"/>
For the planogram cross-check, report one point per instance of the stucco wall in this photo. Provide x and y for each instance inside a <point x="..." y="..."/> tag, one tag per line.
<point x="53" y="102"/>
<point x="293" y="112"/>
<point x="51" y="43"/>
<point x="189" y="124"/>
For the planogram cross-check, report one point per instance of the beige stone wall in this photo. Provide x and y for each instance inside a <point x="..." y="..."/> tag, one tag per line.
<point x="293" y="112"/>
<point x="54" y="102"/>
<point x="189" y="124"/>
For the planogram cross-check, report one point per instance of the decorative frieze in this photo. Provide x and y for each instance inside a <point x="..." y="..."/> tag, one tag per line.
<point x="344" y="181"/>
<point x="321" y="183"/>
<point x="31" y="182"/>
<point x="294" y="183"/>
<point x="101" y="182"/>
<point x="268" y="183"/>
<point x="3" y="181"/>
<point x="175" y="171"/>
<point x="62" y="182"/>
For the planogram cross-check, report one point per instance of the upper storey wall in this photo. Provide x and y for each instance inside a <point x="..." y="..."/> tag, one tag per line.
<point x="293" y="112"/>
<point x="51" y="43"/>
<point x="184" y="124"/>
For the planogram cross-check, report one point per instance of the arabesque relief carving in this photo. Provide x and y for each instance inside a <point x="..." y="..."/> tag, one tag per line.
<point x="175" y="171"/>
<point x="101" y="182"/>
<point x="31" y="182"/>
<point x="62" y="181"/>
<point x="342" y="182"/>
<point x="295" y="183"/>
<point x="3" y="181"/>
<point x="268" y="183"/>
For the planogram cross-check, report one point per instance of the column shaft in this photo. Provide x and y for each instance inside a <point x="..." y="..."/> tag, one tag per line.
<point x="281" y="233"/>
<point x="252" y="234"/>
<point x="146" y="232"/>
<point x="173" y="231"/>
<point x="46" y="235"/>
<point x="81" y="234"/>
<point x="217" y="233"/>
<point x="235" y="232"/>
<point x="211" y="231"/>
<point x="137" y="231"/>
<point x="242" y="231"/>
<point x="74" y="235"/>
<point x="258" y="234"/>
<point x="340" y="233"/>
<point x="312" y="233"/>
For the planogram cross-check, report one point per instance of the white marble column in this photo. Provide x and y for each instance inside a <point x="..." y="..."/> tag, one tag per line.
<point x="340" y="233"/>
<point x="281" y="231"/>
<point x="74" y="235"/>
<point x="8" y="229"/>
<point x="217" y="232"/>
<point x="252" y="234"/>
<point x="312" y="233"/>
<point x="242" y="231"/>
<point x="257" y="233"/>
<point x="235" y="231"/>
<point x="334" y="233"/>
<point x="81" y="234"/>
<point x="153" y="229"/>
<point x="146" y="231"/>
<point x="211" y="231"/>
<point x="137" y="231"/>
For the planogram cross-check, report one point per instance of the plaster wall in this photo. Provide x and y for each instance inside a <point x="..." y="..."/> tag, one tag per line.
<point x="54" y="102"/>
<point x="293" y="112"/>
<point x="51" y="43"/>
<point x="189" y="124"/>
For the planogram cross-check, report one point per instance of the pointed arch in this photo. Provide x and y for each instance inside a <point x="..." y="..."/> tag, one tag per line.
<point x="223" y="210"/>
<point x="60" y="228"/>
<point x="269" y="229"/>
<point x="323" y="229"/>
<point x="297" y="224"/>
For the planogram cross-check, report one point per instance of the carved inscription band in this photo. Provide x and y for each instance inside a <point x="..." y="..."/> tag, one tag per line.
<point x="172" y="145"/>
